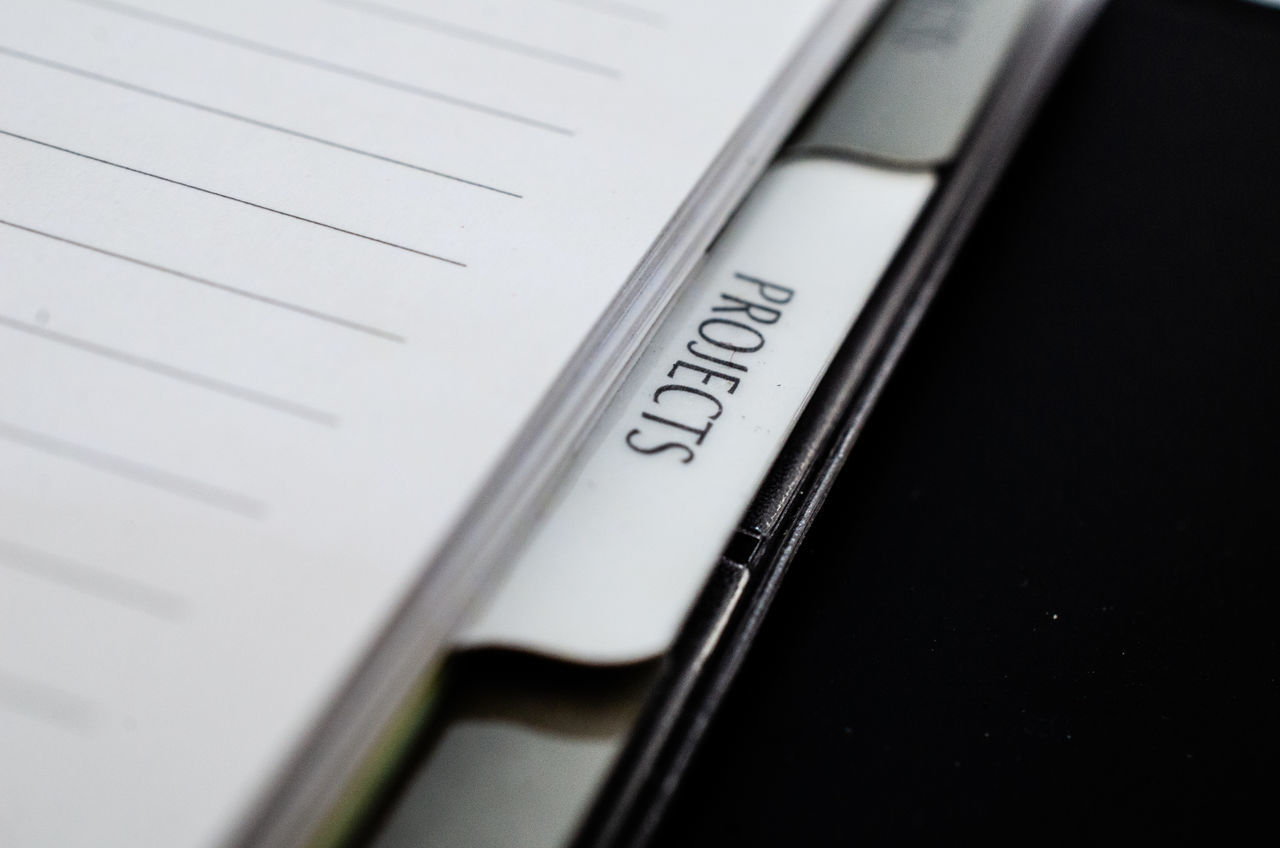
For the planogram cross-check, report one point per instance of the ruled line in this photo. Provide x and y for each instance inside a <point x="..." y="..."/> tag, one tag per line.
<point x="476" y="36"/>
<point x="232" y="198"/>
<point x="320" y="64"/>
<point x="45" y="703"/>
<point x="267" y="401"/>
<point x="89" y="580"/>
<point x="174" y="484"/>
<point x="625" y="11"/>
<point x="222" y="287"/>
<point x="244" y="119"/>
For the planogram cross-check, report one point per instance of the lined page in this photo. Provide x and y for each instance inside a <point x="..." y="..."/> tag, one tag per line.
<point x="279" y="282"/>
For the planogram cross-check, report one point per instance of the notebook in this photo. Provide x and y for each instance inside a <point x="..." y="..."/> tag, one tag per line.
<point x="305" y="305"/>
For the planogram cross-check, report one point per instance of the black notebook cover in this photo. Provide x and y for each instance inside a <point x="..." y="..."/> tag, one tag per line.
<point x="1038" y="603"/>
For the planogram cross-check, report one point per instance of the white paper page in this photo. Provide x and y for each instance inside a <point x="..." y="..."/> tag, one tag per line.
<point x="278" y="284"/>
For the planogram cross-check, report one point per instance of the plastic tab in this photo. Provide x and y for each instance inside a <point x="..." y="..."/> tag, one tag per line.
<point x="911" y="93"/>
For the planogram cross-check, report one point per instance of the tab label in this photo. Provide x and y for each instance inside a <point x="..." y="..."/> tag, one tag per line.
<point x="617" y="561"/>
<point x="720" y="350"/>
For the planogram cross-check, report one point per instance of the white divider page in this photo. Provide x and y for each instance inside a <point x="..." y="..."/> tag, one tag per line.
<point x="279" y="282"/>
<point x="616" y="564"/>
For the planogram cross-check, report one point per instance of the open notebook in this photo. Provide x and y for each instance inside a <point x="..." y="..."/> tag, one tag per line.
<point x="303" y="305"/>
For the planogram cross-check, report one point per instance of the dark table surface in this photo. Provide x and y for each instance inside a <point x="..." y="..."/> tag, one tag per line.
<point x="1039" y="603"/>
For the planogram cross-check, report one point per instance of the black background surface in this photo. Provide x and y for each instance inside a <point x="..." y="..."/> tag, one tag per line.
<point x="1039" y="603"/>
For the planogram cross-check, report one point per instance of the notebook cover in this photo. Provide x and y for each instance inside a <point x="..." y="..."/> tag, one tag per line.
<point x="1039" y="602"/>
